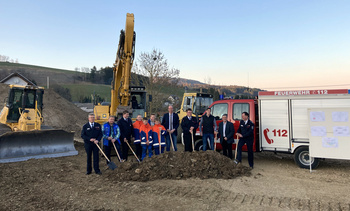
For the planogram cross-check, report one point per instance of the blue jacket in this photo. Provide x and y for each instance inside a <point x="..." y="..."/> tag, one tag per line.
<point x="106" y="130"/>
<point x="146" y="134"/>
<point x="137" y="126"/>
<point x="155" y="136"/>
<point x="176" y="121"/>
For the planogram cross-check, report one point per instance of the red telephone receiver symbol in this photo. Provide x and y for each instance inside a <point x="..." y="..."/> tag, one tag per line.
<point x="269" y="141"/>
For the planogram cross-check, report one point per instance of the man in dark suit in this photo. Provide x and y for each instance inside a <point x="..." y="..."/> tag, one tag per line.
<point x="189" y="126"/>
<point x="92" y="134"/>
<point x="226" y="133"/>
<point x="246" y="134"/>
<point x="126" y="129"/>
<point x="171" y="122"/>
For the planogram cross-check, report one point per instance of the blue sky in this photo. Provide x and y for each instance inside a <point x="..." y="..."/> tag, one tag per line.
<point x="271" y="44"/>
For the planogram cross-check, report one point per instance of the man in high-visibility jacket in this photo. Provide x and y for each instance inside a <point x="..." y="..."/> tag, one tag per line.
<point x="137" y="142"/>
<point x="159" y="132"/>
<point x="146" y="139"/>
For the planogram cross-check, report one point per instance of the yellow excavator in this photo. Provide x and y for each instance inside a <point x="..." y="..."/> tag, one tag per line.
<point x="22" y="135"/>
<point x="123" y="96"/>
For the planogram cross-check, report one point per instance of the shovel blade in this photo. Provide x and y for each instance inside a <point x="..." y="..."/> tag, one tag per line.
<point x="112" y="165"/>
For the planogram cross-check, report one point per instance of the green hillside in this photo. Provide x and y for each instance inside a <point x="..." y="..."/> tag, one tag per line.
<point x="79" y="91"/>
<point x="9" y="65"/>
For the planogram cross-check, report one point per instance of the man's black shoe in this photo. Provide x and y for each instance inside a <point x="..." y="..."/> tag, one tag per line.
<point x="87" y="173"/>
<point x="99" y="173"/>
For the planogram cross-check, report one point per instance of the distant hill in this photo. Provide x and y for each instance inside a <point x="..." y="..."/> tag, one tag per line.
<point x="189" y="82"/>
<point x="39" y="74"/>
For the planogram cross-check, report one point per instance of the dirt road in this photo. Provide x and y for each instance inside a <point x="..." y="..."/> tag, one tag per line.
<point x="275" y="183"/>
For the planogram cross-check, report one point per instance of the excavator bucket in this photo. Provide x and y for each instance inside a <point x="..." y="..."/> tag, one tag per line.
<point x="21" y="146"/>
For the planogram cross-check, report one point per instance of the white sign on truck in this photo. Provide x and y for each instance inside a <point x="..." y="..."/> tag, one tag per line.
<point x="284" y="119"/>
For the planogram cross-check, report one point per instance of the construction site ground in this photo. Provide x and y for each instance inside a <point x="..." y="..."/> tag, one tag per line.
<point x="275" y="183"/>
<point x="178" y="182"/>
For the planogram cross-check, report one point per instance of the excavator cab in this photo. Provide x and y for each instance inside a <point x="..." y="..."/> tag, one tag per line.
<point x="138" y="101"/>
<point x="21" y="134"/>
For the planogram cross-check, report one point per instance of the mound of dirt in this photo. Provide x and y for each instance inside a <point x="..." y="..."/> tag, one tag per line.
<point x="58" y="112"/>
<point x="179" y="165"/>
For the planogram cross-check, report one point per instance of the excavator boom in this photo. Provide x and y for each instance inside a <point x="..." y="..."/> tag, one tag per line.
<point x="120" y="93"/>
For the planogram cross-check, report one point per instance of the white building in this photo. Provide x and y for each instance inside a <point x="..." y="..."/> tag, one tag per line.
<point x="17" y="79"/>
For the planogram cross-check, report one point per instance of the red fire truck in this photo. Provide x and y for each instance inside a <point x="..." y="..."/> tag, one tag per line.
<point x="280" y="118"/>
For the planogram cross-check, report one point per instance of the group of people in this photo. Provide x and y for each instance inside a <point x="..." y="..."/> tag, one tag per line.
<point x="146" y="134"/>
<point x="151" y="134"/>
<point x="226" y="131"/>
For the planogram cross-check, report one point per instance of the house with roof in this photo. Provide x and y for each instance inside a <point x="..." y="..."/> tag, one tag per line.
<point x="17" y="79"/>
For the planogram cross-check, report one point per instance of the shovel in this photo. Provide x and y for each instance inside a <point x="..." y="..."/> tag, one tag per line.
<point x="132" y="151"/>
<point x="120" y="160"/>
<point x="159" y="140"/>
<point x="192" y="142"/>
<point x="171" y="141"/>
<point x="110" y="164"/>
<point x="216" y="138"/>
<point x="236" y="161"/>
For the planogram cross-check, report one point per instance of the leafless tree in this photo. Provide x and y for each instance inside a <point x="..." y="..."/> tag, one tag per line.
<point x="158" y="75"/>
<point x="4" y="58"/>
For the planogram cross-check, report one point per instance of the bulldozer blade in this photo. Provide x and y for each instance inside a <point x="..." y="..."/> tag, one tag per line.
<point x="21" y="146"/>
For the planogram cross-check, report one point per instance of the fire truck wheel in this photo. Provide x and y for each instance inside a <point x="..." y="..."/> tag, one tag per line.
<point x="198" y="145"/>
<point x="302" y="158"/>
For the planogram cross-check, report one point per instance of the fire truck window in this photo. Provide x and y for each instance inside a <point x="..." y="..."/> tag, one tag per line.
<point x="238" y="109"/>
<point x="218" y="110"/>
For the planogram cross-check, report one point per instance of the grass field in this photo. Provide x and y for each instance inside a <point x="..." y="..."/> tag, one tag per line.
<point x="84" y="90"/>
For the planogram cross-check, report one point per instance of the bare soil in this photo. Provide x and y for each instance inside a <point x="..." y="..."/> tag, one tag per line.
<point x="275" y="183"/>
<point x="171" y="181"/>
<point x="179" y="165"/>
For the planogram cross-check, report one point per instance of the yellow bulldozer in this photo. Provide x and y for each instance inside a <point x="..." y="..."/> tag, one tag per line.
<point x="22" y="135"/>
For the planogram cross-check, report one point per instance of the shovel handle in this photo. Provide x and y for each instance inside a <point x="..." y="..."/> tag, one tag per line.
<point x="160" y="138"/>
<point x="192" y="142"/>
<point x="120" y="160"/>
<point x="132" y="151"/>
<point x="236" y="148"/>
<point x="216" y="138"/>
<point x="102" y="152"/>
<point x="171" y="141"/>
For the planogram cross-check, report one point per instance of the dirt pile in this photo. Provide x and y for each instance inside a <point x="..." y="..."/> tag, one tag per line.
<point x="179" y="165"/>
<point x="58" y="112"/>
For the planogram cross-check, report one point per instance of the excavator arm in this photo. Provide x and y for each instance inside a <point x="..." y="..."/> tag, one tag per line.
<point x="120" y="92"/>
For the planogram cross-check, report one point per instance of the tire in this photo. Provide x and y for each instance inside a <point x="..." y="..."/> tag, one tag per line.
<point x="198" y="145"/>
<point x="302" y="158"/>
